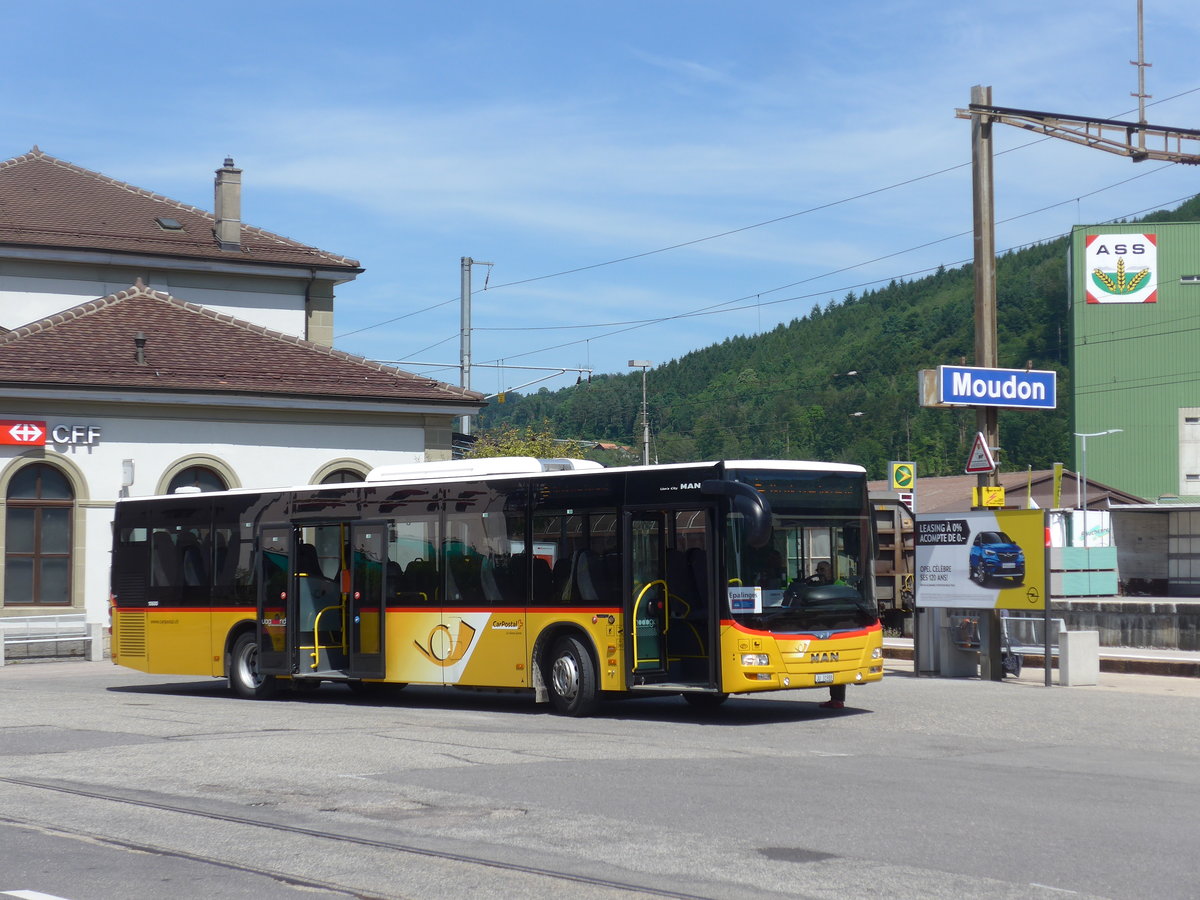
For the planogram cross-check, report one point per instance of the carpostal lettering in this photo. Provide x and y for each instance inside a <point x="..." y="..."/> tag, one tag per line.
<point x="506" y="624"/>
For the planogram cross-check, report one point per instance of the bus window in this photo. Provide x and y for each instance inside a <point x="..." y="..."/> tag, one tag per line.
<point x="483" y="524"/>
<point x="582" y="552"/>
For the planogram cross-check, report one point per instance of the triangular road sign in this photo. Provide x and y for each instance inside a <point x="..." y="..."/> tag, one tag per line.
<point x="980" y="461"/>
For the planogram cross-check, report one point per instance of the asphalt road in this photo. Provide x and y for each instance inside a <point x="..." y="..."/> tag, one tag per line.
<point x="115" y="784"/>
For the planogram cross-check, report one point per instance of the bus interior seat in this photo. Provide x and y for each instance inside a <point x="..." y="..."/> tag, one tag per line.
<point x="308" y="563"/>
<point x="394" y="573"/>
<point x="192" y="562"/>
<point x="585" y="585"/>
<point x="561" y="575"/>
<point x="421" y="580"/>
<point x="164" y="561"/>
<point x="543" y="581"/>
<point x="228" y="556"/>
<point x="316" y="592"/>
<point x="679" y="585"/>
<point x="490" y="579"/>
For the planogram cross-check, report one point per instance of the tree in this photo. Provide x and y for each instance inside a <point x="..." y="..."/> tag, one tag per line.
<point x="522" y="440"/>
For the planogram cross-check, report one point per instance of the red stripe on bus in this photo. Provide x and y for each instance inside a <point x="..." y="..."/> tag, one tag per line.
<point x="858" y="632"/>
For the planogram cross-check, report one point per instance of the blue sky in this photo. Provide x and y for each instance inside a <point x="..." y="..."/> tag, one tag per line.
<point x="548" y="137"/>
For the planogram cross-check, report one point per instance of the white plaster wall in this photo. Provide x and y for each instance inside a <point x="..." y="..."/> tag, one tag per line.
<point x="263" y="455"/>
<point x="24" y="300"/>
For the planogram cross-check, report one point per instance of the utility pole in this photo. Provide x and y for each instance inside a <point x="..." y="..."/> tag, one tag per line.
<point x="464" y="333"/>
<point x="1142" y="65"/>
<point x="644" y="364"/>
<point x="982" y="195"/>
<point x="987" y="420"/>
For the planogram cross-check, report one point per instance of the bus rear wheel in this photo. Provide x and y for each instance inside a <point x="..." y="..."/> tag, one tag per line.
<point x="245" y="679"/>
<point x="572" y="678"/>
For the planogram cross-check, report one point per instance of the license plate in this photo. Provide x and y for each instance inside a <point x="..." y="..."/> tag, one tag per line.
<point x="824" y="678"/>
<point x="1009" y="565"/>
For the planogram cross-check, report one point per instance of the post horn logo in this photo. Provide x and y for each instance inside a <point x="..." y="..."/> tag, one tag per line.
<point x="445" y="648"/>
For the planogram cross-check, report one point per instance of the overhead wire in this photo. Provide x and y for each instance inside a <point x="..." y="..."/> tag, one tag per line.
<point x="817" y="208"/>
<point x="708" y="310"/>
<point x="723" y="307"/>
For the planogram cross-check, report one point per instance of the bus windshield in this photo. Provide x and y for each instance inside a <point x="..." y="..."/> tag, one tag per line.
<point x="813" y="575"/>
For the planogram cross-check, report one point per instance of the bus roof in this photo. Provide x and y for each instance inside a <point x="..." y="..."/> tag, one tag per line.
<point x="498" y="467"/>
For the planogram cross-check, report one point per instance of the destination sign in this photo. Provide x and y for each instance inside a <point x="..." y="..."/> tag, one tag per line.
<point x="1014" y="388"/>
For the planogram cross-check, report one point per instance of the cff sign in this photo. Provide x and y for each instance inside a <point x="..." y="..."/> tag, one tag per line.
<point x="26" y="433"/>
<point x="23" y="433"/>
<point x="1013" y="388"/>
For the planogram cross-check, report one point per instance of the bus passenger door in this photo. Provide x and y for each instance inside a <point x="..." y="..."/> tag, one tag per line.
<point x="670" y="600"/>
<point x="365" y="617"/>
<point x="646" y="594"/>
<point x="276" y="601"/>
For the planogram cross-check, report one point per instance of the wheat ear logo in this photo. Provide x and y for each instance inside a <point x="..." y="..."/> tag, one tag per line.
<point x="1119" y="283"/>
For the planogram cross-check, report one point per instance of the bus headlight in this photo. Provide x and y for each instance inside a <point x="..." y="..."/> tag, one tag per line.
<point x="877" y="653"/>
<point x="756" y="659"/>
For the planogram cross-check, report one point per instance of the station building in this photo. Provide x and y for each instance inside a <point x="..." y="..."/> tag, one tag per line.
<point x="148" y="347"/>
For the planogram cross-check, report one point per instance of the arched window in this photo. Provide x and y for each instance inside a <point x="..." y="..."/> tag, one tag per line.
<point x="342" y="476"/>
<point x="197" y="478"/>
<point x="37" y="529"/>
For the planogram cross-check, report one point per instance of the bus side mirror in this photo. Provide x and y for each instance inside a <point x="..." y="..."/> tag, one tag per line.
<point x="745" y="500"/>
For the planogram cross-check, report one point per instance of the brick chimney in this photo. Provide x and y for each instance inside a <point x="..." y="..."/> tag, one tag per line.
<point x="227" y="206"/>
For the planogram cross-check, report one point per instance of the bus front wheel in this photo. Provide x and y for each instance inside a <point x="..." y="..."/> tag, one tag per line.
<point x="572" y="678"/>
<point x="244" y="677"/>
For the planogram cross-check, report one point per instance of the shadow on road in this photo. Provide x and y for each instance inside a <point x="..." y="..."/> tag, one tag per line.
<point x="790" y="706"/>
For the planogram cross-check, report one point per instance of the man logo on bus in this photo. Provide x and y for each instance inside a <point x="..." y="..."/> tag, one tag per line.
<point x="442" y="648"/>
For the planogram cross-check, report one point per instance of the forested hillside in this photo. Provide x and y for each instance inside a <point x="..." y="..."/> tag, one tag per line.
<point x="786" y="394"/>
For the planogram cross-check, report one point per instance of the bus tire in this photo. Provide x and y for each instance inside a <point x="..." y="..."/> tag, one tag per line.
<point x="245" y="679"/>
<point x="571" y="678"/>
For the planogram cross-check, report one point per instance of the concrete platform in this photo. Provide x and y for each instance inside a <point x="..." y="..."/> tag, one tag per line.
<point x="1130" y="660"/>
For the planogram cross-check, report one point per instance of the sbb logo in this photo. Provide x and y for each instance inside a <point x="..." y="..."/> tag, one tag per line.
<point x="29" y="434"/>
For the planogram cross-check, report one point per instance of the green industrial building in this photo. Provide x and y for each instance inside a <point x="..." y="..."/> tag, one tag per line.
<point x="1135" y="318"/>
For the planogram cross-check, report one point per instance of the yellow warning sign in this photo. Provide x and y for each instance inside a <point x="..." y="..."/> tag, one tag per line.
<point x="987" y="496"/>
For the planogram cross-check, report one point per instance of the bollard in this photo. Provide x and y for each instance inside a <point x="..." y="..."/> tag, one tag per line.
<point x="95" y="642"/>
<point x="1078" y="657"/>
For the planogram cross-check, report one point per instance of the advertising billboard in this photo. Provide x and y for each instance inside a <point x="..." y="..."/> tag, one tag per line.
<point x="982" y="560"/>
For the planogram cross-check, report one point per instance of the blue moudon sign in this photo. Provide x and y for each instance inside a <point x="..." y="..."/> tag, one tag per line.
<point x="1017" y="388"/>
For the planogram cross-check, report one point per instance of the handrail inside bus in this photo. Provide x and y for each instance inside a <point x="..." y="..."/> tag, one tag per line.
<point x="638" y="602"/>
<point x="317" y="645"/>
<point x="749" y="502"/>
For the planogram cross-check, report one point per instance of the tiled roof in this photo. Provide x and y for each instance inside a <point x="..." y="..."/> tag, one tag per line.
<point x="950" y="493"/>
<point x="47" y="202"/>
<point x="191" y="348"/>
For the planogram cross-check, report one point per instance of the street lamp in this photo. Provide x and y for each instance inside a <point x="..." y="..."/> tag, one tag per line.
<point x="644" y="364"/>
<point x="1082" y="499"/>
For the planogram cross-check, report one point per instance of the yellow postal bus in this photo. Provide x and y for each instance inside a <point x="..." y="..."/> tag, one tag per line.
<point x="556" y="576"/>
